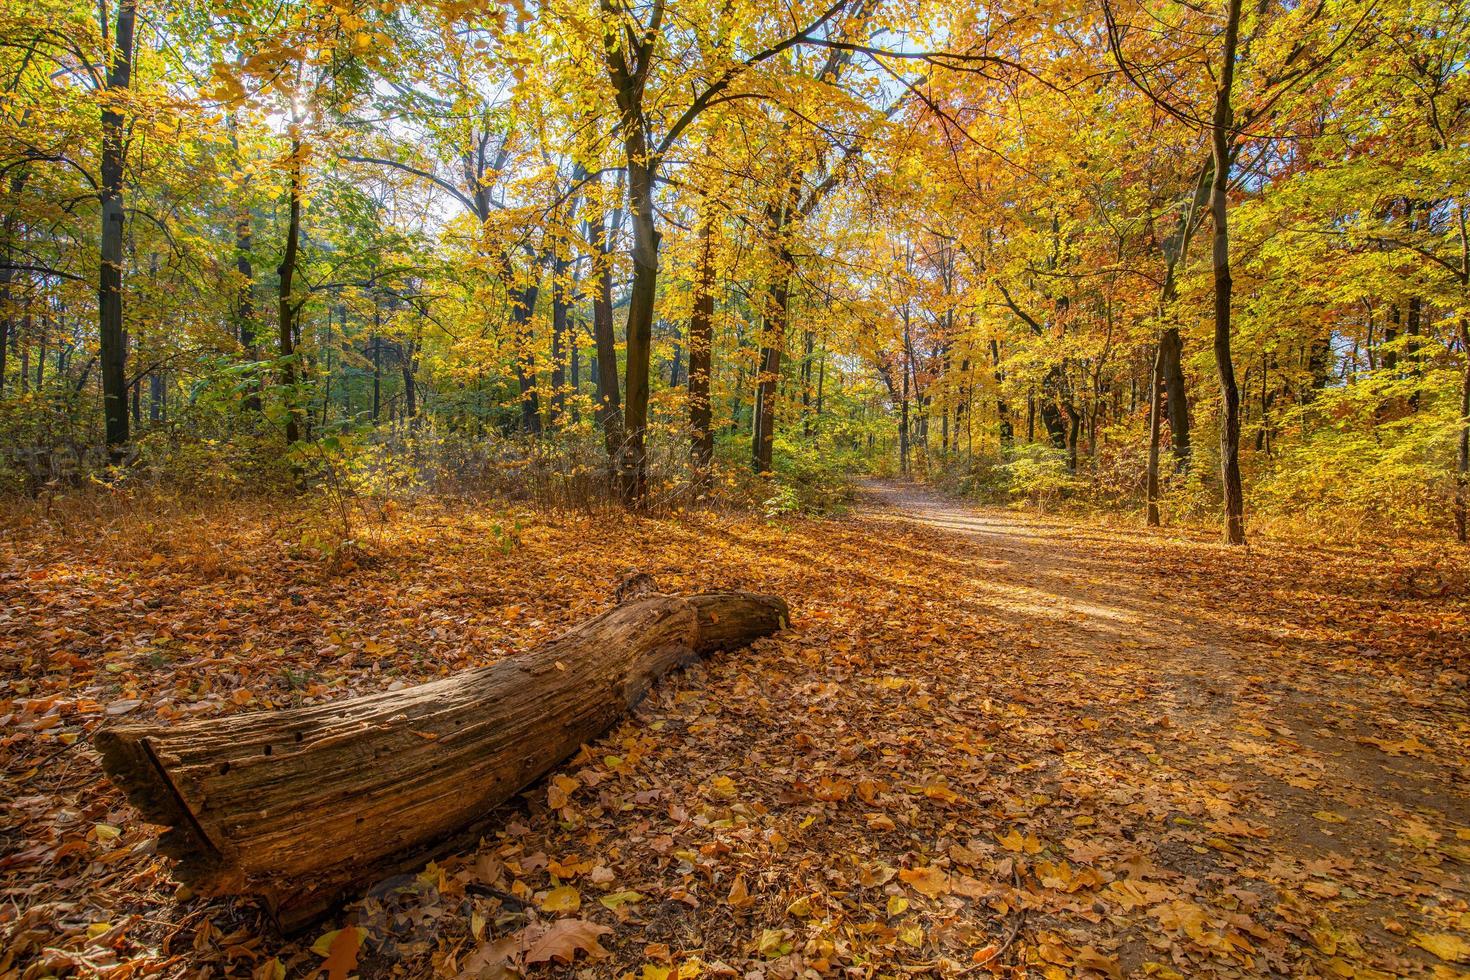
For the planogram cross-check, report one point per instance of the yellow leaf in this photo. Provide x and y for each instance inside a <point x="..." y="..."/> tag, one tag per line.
<point x="563" y="899"/>
<point x="897" y="905"/>
<point x="1017" y="844"/>
<point x="773" y="943"/>
<point x="1447" y="946"/>
<point x="618" y="899"/>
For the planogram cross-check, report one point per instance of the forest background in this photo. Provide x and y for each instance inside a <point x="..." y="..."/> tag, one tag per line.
<point x="1165" y="260"/>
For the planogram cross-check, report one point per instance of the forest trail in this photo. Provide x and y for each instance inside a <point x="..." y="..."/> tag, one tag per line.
<point x="991" y="742"/>
<point x="1336" y="765"/>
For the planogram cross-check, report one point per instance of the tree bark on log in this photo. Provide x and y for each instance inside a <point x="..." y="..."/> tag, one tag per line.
<point x="302" y="806"/>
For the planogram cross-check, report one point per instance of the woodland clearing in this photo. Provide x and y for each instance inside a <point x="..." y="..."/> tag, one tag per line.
<point x="396" y="396"/>
<point x="990" y="743"/>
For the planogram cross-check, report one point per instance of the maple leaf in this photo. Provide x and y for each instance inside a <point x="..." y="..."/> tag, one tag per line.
<point x="564" y="938"/>
<point x="492" y="960"/>
<point x="339" y="949"/>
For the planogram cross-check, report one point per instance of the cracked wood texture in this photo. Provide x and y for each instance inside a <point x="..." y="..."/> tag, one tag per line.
<point x="301" y="806"/>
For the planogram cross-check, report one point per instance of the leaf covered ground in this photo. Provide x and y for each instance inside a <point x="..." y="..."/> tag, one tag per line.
<point x="990" y="744"/>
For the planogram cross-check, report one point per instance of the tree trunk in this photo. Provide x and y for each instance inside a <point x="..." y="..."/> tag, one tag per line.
<point x="1051" y="416"/>
<point x="406" y="355"/>
<point x="809" y="345"/>
<point x="701" y="340"/>
<point x="245" y="289"/>
<point x="287" y="272"/>
<point x="574" y="364"/>
<point x="1005" y="431"/>
<point x="775" y="313"/>
<point x="609" y="401"/>
<point x="559" y="266"/>
<point x="633" y="459"/>
<point x="764" y="429"/>
<point x="113" y="347"/>
<point x="1229" y="391"/>
<point x="1155" y="402"/>
<point x="903" y="415"/>
<point x="377" y="347"/>
<point x="522" y="306"/>
<point x="1176" y="400"/>
<point x="1462" y="469"/>
<point x="10" y="225"/>
<point x="821" y="375"/>
<point x="303" y="805"/>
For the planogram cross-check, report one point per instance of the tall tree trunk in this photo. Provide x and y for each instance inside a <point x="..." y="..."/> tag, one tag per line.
<point x="779" y="216"/>
<point x="285" y="310"/>
<point x="1155" y="403"/>
<point x="113" y="346"/>
<point x="1170" y="373"/>
<point x="1176" y="399"/>
<point x="764" y="429"/>
<point x="633" y="459"/>
<point x="1052" y="418"/>
<point x="377" y="347"/>
<point x="1005" y="431"/>
<point x="155" y="397"/>
<point x="245" y="295"/>
<point x="10" y="225"/>
<point x="1220" y="137"/>
<point x="1411" y="350"/>
<point x="246" y="301"/>
<point x="701" y="339"/>
<point x="522" y="307"/>
<point x="809" y="349"/>
<point x="1462" y="469"/>
<point x="410" y="387"/>
<point x="821" y="375"/>
<point x="604" y="336"/>
<point x="559" y="266"/>
<point x="903" y="417"/>
<point x="574" y="363"/>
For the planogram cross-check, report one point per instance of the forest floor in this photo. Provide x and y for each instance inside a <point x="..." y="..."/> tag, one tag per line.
<point x="991" y="743"/>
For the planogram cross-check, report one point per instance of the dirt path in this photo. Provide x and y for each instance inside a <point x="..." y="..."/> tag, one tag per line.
<point x="1344" y="780"/>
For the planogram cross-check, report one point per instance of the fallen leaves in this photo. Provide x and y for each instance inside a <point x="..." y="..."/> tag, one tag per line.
<point x="930" y="881"/>
<point x="998" y="753"/>
<point x="339" y="950"/>
<point x="559" y="941"/>
<point x="1447" y="946"/>
<point x="565" y="898"/>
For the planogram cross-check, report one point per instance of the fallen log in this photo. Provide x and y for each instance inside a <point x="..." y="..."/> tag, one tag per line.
<point x="302" y="806"/>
